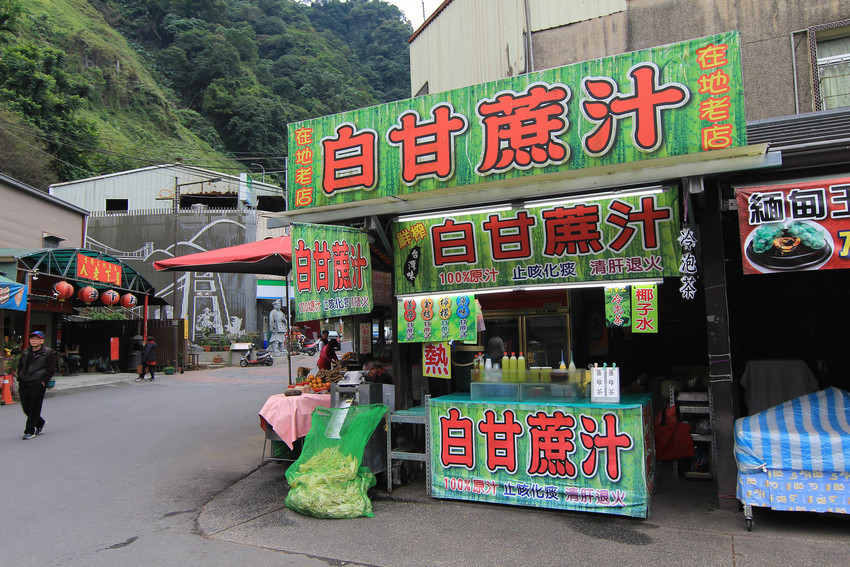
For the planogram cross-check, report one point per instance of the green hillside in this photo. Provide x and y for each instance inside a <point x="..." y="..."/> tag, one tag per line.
<point x="88" y="88"/>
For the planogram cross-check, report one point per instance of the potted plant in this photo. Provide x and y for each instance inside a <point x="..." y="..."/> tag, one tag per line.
<point x="168" y="370"/>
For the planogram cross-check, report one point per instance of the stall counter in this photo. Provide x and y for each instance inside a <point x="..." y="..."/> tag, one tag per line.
<point x="290" y="416"/>
<point x="545" y="453"/>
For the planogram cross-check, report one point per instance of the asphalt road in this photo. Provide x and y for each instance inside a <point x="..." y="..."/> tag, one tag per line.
<point x="166" y="473"/>
<point x="121" y="471"/>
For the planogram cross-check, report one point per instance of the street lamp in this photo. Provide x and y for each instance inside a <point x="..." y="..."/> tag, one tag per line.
<point x="176" y="211"/>
<point x="264" y="170"/>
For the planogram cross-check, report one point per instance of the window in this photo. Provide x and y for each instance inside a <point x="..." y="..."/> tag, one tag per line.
<point x="834" y="72"/>
<point x="50" y="240"/>
<point x="830" y="46"/>
<point x="116" y="205"/>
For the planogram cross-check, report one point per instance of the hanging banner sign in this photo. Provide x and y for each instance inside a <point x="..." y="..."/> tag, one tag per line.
<point x="332" y="271"/>
<point x="688" y="265"/>
<point x="365" y="334"/>
<point x="436" y="360"/>
<point x="795" y="226"/>
<point x="438" y="317"/>
<point x="12" y="295"/>
<point x="98" y="270"/>
<point x="618" y="310"/>
<point x="582" y="456"/>
<point x="678" y="99"/>
<point x="619" y="238"/>
<point x="645" y="308"/>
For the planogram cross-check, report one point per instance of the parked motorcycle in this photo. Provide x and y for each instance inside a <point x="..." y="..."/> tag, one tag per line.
<point x="264" y="356"/>
<point x="303" y="346"/>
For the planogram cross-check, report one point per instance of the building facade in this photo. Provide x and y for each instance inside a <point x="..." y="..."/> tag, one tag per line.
<point x="794" y="53"/>
<point x="159" y="212"/>
<point x="795" y="60"/>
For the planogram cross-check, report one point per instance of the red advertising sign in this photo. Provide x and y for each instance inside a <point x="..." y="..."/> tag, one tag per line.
<point x="98" y="270"/>
<point x="795" y="226"/>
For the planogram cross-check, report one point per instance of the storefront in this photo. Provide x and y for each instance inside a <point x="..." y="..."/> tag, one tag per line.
<point x="54" y="282"/>
<point x="548" y="216"/>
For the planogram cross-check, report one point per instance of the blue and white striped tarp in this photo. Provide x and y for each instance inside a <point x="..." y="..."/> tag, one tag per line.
<point x="809" y="433"/>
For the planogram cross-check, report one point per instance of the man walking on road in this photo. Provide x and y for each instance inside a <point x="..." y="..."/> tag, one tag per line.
<point x="148" y="360"/>
<point x="35" y="369"/>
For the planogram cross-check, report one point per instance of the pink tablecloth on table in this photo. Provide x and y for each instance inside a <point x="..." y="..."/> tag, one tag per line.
<point x="289" y="416"/>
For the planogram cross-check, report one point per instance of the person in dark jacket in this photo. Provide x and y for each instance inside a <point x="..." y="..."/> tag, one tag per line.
<point x="35" y="369"/>
<point x="148" y="360"/>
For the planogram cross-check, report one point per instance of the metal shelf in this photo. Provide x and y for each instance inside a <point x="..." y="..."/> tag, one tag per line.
<point x="695" y="406"/>
<point x="417" y="416"/>
<point x="685" y="409"/>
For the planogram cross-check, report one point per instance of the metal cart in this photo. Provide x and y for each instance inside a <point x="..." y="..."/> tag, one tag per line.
<point x="796" y="456"/>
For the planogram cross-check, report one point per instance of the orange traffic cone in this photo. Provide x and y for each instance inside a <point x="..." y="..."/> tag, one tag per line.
<point x="7" y="389"/>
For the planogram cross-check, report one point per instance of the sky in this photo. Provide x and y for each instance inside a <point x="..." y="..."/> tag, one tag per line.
<point x="413" y="9"/>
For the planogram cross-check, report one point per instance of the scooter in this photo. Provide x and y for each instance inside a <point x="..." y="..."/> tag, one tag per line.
<point x="303" y="347"/>
<point x="263" y="357"/>
<point x="312" y="347"/>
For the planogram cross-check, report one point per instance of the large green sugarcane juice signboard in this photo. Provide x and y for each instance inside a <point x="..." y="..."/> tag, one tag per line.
<point x="582" y="240"/>
<point x="667" y="101"/>
<point x="568" y="456"/>
<point x="331" y="271"/>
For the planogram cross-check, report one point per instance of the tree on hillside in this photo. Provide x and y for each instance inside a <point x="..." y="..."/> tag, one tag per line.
<point x="25" y="156"/>
<point x="36" y="85"/>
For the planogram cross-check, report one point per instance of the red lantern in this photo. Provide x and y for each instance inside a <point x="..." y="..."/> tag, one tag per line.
<point x="63" y="290"/>
<point x="110" y="297"/>
<point x="87" y="294"/>
<point x="128" y="301"/>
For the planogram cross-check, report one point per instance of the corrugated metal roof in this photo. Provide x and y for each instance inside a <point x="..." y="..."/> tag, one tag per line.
<point x="179" y="167"/>
<point x="429" y="20"/>
<point x="802" y="131"/>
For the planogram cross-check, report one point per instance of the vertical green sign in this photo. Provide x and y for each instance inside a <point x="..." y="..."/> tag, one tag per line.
<point x="618" y="311"/>
<point x="645" y="308"/>
<point x="332" y="271"/>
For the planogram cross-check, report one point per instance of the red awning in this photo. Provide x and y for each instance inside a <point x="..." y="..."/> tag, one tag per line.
<point x="271" y="256"/>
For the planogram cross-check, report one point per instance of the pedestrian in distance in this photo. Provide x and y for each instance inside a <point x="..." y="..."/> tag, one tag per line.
<point x="35" y="369"/>
<point x="148" y="360"/>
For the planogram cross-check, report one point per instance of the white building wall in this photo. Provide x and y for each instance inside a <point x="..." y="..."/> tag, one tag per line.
<point x="151" y="187"/>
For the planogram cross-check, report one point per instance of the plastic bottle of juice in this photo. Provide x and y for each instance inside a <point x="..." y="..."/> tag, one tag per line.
<point x="476" y="370"/>
<point x="512" y="362"/>
<point x="520" y="368"/>
<point x="506" y="368"/>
